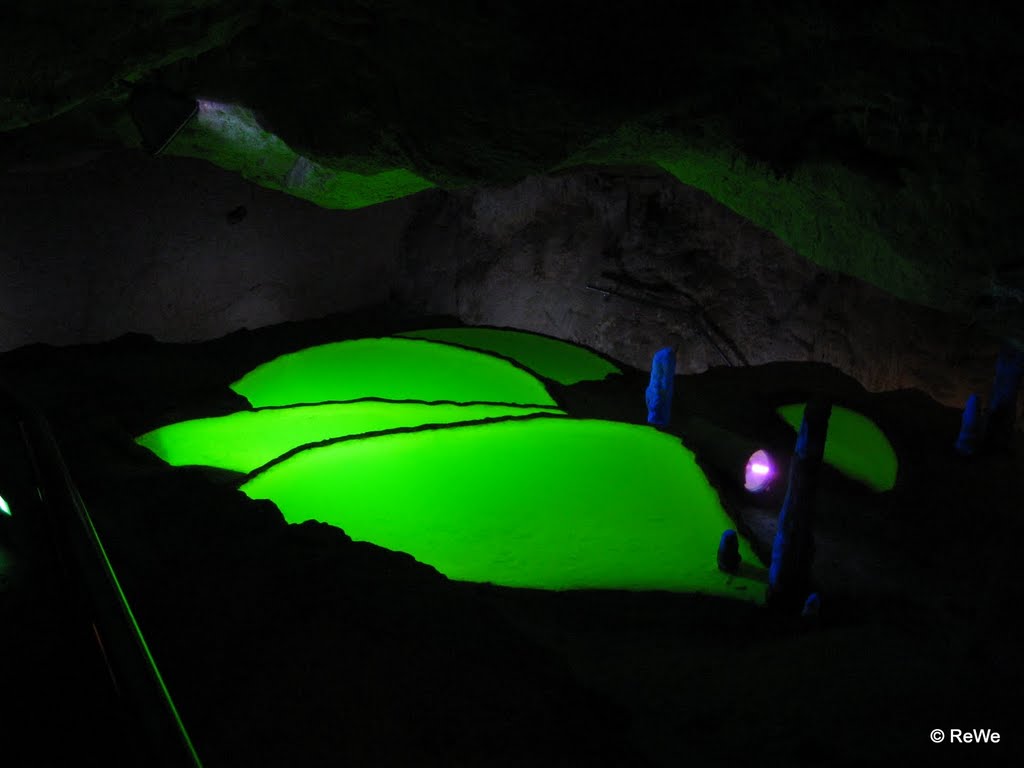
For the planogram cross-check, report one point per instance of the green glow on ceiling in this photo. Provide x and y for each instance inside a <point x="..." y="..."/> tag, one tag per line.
<point x="855" y="446"/>
<point x="825" y="212"/>
<point x="247" y="440"/>
<point x="542" y="502"/>
<point x="4" y="508"/>
<point x="391" y="369"/>
<point x="555" y="359"/>
<point x="231" y="137"/>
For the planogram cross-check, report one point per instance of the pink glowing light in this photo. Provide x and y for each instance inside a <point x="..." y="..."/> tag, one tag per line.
<point x="758" y="473"/>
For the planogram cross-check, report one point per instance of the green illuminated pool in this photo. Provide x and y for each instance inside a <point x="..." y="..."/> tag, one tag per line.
<point x="552" y="358"/>
<point x="246" y="440"/>
<point x="544" y="502"/>
<point x="855" y="446"/>
<point x="391" y="369"/>
<point x="462" y="459"/>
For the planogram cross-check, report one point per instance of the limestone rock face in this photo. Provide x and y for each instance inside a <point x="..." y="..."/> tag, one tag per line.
<point x="877" y="141"/>
<point x="628" y="261"/>
<point x="130" y="244"/>
<point x="625" y="260"/>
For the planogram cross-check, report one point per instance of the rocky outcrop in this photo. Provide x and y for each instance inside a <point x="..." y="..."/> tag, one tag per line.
<point x="628" y="261"/>
<point x="625" y="260"/>
<point x="876" y="141"/>
<point x="178" y="249"/>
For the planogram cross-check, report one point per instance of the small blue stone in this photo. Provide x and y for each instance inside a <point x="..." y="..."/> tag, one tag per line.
<point x="729" y="552"/>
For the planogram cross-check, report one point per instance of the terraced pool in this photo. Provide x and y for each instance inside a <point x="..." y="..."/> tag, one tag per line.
<point x="552" y="358"/>
<point x="462" y="458"/>
<point x="247" y="440"/>
<point x="390" y="369"/>
<point x="543" y="502"/>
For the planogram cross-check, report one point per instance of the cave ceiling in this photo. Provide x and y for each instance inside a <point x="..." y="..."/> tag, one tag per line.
<point x="881" y="140"/>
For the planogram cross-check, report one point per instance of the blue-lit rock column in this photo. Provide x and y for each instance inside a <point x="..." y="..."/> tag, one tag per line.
<point x="972" y="428"/>
<point x="1002" y="407"/>
<point x="659" y="391"/>
<point x="729" y="552"/>
<point x="793" y="549"/>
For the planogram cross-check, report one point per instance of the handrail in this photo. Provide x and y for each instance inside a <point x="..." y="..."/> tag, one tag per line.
<point x="131" y="663"/>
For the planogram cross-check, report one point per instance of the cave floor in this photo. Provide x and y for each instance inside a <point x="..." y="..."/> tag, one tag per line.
<point x="293" y="645"/>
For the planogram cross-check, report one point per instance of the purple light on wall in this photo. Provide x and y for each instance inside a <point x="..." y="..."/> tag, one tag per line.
<point x="759" y="472"/>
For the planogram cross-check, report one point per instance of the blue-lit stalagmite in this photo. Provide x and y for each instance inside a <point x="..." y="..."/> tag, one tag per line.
<point x="729" y="552"/>
<point x="793" y="548"/>
<point x="1002" y="408"/>
<point x="972" y="427"/>
<point x="659" y="391"/>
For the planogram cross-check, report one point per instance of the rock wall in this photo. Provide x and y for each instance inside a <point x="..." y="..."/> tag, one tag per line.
<point x="876" y="139"/>
<point x="629" y="260"/>
<point x="179" y="249"/>
<point x="626" y="260"/>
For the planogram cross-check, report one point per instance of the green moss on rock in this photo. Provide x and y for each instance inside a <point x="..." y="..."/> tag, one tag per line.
<point x="231" y="137"/>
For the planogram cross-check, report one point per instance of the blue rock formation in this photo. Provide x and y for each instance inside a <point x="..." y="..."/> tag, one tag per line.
<point x="812" y="606"/>
<point x="793" y="548"/>
<point x="1002" y="407"/>
<point x="659" y="391"/>
<point x="729" y="552"/>
<point x="972" y="428"/>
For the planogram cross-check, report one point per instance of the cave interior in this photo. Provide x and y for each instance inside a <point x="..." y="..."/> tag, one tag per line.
<point x="805" y="204"/>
